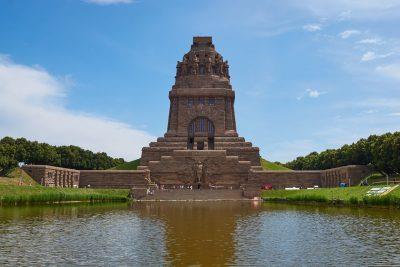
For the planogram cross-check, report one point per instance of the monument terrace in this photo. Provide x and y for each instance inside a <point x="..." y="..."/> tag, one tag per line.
<point x="201" y="148"/>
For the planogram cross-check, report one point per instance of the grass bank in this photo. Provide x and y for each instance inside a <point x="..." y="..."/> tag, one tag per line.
<point x="355" y="195"/>
<point x="23" y="195"/>
<point x="267" y="165"/>
<point x="131" y="165"/>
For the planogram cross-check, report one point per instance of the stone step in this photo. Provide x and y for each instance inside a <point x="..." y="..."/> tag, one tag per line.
<point x="229" y="139"/>
<point x="161" y="149"/>
<point x="168" y="144"/>
<point x="256" y="168"/>
<point x="238" y="149"/>
<point x="172" y="139"/>
<point x="233" y="144"/>
<point x="184" y="139"/>
<point x="195" y="194"/>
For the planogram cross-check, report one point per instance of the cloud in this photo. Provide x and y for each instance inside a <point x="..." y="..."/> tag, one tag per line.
<point x="351" y="9"/>
<point x="368" y="56"/>
<point x="391" y="70"/>
<point x="109" y="2"/>
<point x="395" y="114"/>
<point x="345" y="15"/>
<point x="312" y="27"/>
<point x="346" y="34"/>
<point x="32" y="105"/>
<point x="370" y="41"/>
<point x="311" y="93"/>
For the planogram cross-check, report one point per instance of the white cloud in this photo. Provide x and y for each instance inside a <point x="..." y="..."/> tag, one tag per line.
<point x="391" y="70"/>
<point x="346" y="34"/>
<point x="368" y="56"/>
<point x="345" y="15"/>
<point x="312" y="27"/>
<point x="311" y="93"/>
<point x="370" y="41"/>
<point x="31" y="106"/>
<point x="395" y="114"/>
<point x="109" y="2"/>
<point x="351" y="9"/>
<point x="314" y="93"/>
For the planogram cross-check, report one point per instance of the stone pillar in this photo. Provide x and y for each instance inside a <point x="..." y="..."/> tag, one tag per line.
<point x="55" y="178"/>
<point x="63" y="178"/>
<point x="71" y="179"/>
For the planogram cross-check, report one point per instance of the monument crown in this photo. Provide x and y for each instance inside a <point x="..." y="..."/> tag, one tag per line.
<point x="202" y="66"/>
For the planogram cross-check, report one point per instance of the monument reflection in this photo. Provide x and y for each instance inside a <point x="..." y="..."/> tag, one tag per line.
<point x="198" y="233"/>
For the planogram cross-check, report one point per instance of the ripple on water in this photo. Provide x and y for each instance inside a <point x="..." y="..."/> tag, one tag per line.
<point x="230" y="233"/>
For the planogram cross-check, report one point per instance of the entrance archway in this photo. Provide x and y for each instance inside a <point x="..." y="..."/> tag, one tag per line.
<point x="203" y="129"/>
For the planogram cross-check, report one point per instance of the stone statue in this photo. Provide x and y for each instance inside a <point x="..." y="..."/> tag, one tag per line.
<point x="226" y="69"/>
<point x="199" y="172"/>
<point x="178" y="69"/>
<point x="221" y="69"/>
<point x="195" y="66"/>
<point x="208" y="65"/>
<point x="183" y="68"/>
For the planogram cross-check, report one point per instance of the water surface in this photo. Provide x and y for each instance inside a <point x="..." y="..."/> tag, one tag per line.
<point x="198" y="233"/>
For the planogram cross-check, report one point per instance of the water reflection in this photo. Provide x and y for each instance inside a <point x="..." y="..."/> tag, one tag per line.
<point x="198" y="233"/>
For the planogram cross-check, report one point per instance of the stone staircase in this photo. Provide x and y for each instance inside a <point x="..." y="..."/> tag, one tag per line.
<point x="195" y="195"/>
<point x="234" y="146"/>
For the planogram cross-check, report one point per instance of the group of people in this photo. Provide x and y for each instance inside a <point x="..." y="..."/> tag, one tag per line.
<point x="189" y="187"/>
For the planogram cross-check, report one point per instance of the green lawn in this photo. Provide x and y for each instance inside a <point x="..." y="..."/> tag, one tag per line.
<point x="15" y="177"/>
<point x="20" y="195"/>
<point x="351" y="195"/>
<point x="131" y="165"/>
<point x="267" y="165"/>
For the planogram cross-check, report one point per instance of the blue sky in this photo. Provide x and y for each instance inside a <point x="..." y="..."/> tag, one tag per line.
<point x="308" y="75"/>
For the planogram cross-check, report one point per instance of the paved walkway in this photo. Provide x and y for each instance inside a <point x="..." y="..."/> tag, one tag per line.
<point x="195" y="195"/>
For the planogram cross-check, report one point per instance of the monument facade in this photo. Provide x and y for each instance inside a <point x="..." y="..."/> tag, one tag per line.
<point x="201" y="146"/>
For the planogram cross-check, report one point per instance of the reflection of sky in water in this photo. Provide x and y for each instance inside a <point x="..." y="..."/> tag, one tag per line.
<point x="205" y="233"/>
<point x="108" y="237"/>
<point x="308" y="235"/>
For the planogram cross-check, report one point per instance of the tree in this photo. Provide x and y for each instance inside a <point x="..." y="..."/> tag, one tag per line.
<point x="17" y="150"/>
<point x="382" y="152"/>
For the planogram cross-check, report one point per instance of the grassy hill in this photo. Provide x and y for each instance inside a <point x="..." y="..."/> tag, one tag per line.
<point x="14" y="178"/>
<point x="267" y="165"/>
<point x="131" y="165"/>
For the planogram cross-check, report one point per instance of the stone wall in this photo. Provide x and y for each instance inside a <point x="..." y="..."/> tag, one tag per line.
<point x="351" y="175"/>
<point x="190" y="167"/>
<point x="204" y="167"/>
<point x="282" y="179"/>
<point x="113" y="178"/>
<point x="53" y="176"/>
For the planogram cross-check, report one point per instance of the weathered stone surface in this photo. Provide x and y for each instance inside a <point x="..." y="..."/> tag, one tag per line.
<point x="113" y="179"/>
<point x="201" y="118"/>
<point x="53" y="176"/>
<point x="351" y="175"/>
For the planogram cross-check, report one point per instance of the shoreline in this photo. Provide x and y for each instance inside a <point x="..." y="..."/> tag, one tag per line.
<point x="15" y="195"/>
<point x="350" y="196"/>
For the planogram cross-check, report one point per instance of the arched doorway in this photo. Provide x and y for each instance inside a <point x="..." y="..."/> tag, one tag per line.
<point x="203" y="130"/>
